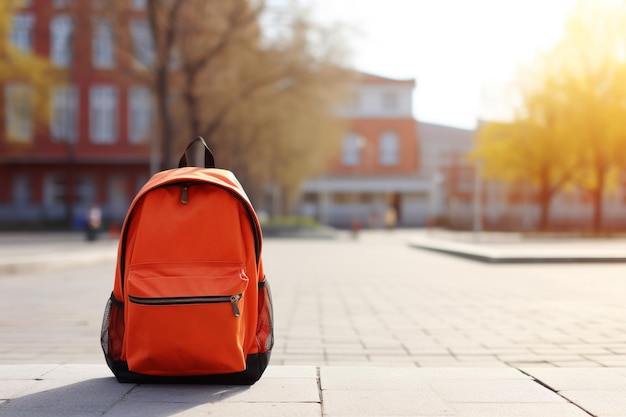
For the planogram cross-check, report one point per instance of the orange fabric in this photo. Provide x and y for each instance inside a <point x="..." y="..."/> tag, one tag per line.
<point x="203" y="247"/>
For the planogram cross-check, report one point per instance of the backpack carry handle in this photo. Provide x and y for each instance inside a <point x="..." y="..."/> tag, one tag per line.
<point x="209" y="161"/>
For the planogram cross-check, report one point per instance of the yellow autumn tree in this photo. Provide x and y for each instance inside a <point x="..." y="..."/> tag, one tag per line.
<point x="535" y="147"/>
<point x="29" y="75"/>
<point x="569" y="129"/>
<point x="592" y="69"/>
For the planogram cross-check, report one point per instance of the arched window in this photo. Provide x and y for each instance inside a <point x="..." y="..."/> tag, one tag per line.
<point x="389" y="148"/>
<point x="351" y="154"/>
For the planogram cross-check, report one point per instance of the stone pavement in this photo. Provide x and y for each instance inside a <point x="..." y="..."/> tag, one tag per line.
<point x="309" y="391"/>
<point x="366" y="327"/>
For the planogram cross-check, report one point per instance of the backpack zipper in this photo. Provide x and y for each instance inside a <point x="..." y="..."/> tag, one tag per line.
<point x="210" y="299"/>
<point x="184" y="194"/>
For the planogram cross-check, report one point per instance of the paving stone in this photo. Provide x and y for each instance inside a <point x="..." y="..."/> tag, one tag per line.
<point x="15" y="388"/>
<point x="599" y="403"/>
<point x="494" y="391"/>
<point x="290" y="372"/>
<point x="270" y="390"/>
<point x="415" y="309"/>
<point x="25" y="371"/>
<point x="384" y="403"/>
<point x="598" y="379"/>
<point x="128" y="408"/>
<point x="517" y="410"/>
<point x="372" y="378"/>
<point x="59" y="397"/>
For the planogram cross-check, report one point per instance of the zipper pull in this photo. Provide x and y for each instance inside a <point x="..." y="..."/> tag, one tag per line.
<point x="184" y="194"/>
<point x="234" y="299"/>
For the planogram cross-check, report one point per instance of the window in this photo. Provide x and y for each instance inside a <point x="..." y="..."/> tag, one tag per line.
<point x="140" y="114"/>
<point x="141" y="181"/>
<point x="64" y="108"/>
<point x="53" y="190"/>
<point x="86" y="191"/>
<point x="389" y="100"/>
<point x="21" y="34"/>
<point x="117" y="196"/>
<point x="103" y="114"/>
<point x="139" y="4"/>
<point x="21" y="190"/>
<point x="389" y="148"/>
<point x="60" y="4"/>
<point x="143" y="47"/>
<point x="60" y="41"/>
<point x="355" y="101"/>
<point x="102" y="44"/>
<point x="19" y="113"/>
<point x="98" y="4"/>
<point x="175" y="58"/>
<point x="352" y="144"/>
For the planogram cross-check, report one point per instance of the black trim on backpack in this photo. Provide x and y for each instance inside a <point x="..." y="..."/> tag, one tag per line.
<point x="255" y="366"/>
<point x="116" y="302"/>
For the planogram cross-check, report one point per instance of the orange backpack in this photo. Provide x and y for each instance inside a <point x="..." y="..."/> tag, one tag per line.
<point x="190" y="302"/>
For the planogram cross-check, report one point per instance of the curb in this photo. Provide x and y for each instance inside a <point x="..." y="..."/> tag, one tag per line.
<point x="495" y="256"/>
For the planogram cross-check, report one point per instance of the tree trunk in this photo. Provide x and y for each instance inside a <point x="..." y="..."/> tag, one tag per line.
<point x="598" y="202"/>
<point x="163" y="35"/>
<point x="545" y="198"/>
<point x="544" y="207"/>
<point x="164" y="121"/>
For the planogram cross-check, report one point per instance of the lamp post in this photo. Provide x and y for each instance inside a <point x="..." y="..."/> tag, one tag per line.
<point x="478" y="201"/>
<point x="434" y="203"/>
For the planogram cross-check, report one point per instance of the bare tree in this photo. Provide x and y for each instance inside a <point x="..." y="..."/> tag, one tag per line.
<point x="265" y="104"/>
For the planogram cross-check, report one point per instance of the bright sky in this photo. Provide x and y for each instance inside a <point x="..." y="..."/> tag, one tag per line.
<point x="460" y="52"/>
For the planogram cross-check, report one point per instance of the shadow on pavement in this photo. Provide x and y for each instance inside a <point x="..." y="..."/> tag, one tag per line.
<point x="105" y="396"/>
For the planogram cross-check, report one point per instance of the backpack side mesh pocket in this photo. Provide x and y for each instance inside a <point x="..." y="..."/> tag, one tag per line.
<point x="112" y="332"/>
<point x="265" y="324"/>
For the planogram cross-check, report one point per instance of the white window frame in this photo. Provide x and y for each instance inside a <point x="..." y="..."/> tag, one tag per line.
<point x="139" y="4"/>
<point x="61" y="32"/>
<point x="54" y="189"/>
<point x="102" y="44"/>
<point x="19" y="107"/>
<point x="21" y="33"/>
<point x="98" y="4"/>
<point x="351" y="149"/>
<point x="143" y="44"/>
<point x="390" y="100"/>
<point x="103" y="114"/>
<point x="60" y="4"/>
<point x="64" y="114"/>
<point x="389" y="148"/>
<point x="117" y="194"/>
<point x="86" y="190"/>
<point x="140" y="114"/>
<point x="21" y="193"/>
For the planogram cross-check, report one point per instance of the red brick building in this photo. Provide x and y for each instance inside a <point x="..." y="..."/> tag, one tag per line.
<point x="94" y="150"/>
<point x="377" y="170"/>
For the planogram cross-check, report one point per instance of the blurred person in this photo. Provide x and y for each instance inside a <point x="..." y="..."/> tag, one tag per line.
<point x="94" y="222"/>
<point x="391" y="218"/>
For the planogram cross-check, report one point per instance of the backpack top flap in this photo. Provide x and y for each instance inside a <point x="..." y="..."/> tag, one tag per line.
<point x="218" y="177"/>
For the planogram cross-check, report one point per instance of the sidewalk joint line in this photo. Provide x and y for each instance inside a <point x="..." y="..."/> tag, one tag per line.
<point x="318" y="376"/>
<point x="122" y="398"/>
<point x="545" y="385"/>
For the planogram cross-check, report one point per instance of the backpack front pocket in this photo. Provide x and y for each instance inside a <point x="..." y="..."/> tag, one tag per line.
<point x="185" y="320"/>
